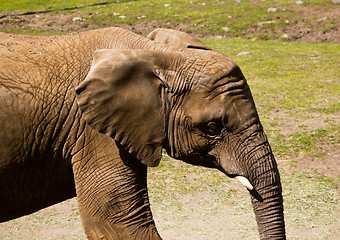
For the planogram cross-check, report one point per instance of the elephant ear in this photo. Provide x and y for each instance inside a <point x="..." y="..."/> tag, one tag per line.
<point x="176" y="39"/>
<point x="121" y="97"/>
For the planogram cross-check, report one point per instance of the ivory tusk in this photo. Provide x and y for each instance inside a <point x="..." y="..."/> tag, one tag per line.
<point x="245" y="182"/>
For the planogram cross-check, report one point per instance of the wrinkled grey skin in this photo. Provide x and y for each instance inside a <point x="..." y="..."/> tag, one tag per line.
<point x="73" y="126"/>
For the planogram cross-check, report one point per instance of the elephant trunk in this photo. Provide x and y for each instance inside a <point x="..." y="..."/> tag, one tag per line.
<point x="269" y="216"/>
<point x="266" y="194"/>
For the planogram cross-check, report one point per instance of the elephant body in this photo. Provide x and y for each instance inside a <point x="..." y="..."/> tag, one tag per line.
<point x="76" y="127"/>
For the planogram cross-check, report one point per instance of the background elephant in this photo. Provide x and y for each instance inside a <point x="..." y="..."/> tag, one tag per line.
<point x="176" y="39"/>
<point x="64" y="136"/>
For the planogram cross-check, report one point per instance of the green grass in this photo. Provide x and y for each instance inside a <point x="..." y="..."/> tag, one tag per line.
<point x="29" y="31"/>
<point x="240" y="17"/>
<point x="311" y="205"/>
<point x="34" y="5"/>
<point x="56" y="5"/>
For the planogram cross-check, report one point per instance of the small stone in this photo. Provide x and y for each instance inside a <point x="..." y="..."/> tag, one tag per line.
<point x="75" y="19"/>
<point x="299" y="2"/>
<point x="336" y="1"/>
<point x="284" y="36"/>
<point x="243" y="53"/>
<point x="116" y="14"/>
<point x="122" y="17"/>
<point x="260" y="24"/>
<point x="322" y="19"/>
<point x="226" y="29"/>
<point x="272" y="10"/>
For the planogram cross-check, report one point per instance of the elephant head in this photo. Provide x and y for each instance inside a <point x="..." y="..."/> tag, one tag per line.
<point x="195" y="103"/>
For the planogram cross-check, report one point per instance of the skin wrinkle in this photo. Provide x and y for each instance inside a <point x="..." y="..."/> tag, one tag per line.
<point x="127" y="215"/>
<point x="134" y="219"/>
<point x="45" y="124"/>
<point x="176" y="130"/>
<point x="184" y="142"/>
<point x="190" y="140"/>
<point x="176" y="86"/>
<point x="253" y="164"/>
<point x="71" y="147"/>
<point x="228" y="93"/>
<point x="190" y="76"/>
<point x="177" y="118"/>
<point x="250" y="148"/>
<point x="68" y="136"/>
<point x="265" y="164"/>
<point x="271" y="200"/>
<point x="60" y="120"/>
<point x="233" y="82"/>
<point x="86" y="163"/>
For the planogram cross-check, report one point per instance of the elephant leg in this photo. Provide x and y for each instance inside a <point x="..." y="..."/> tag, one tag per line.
<point x="111" y="191"/>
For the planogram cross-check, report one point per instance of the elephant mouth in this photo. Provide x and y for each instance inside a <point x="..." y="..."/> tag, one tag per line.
<point x="243" y="180"/>
<point x="213" y="163"/>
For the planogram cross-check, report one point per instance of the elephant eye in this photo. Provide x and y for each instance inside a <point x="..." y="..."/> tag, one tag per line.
<point x="214" y="128"/>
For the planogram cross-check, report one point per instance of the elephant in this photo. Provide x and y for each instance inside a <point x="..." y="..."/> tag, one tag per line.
<point x="175" y="38"/>
<point x="90" y="113"/>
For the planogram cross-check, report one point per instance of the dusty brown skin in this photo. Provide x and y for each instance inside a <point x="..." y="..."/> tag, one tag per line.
<point x="176" y="38"/>
<point x="73" y="126"/>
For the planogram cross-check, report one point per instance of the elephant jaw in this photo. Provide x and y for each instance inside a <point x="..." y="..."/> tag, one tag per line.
<point x="245" y="182"/>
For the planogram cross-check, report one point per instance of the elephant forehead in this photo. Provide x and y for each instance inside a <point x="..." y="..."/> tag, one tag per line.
<point x="222" y="84"/>
<point x="198" y="68"/>
<point x="229" y="102"/>
<point x="200" y="108"/>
